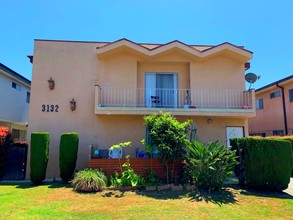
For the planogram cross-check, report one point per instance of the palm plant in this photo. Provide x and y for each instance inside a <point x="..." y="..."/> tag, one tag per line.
<point x="208" y="166"/>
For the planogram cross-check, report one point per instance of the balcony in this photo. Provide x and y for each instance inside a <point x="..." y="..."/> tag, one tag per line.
<point x="141" y="101"/>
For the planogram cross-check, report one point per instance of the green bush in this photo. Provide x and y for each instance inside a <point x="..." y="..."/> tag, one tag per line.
<point x="39" y="156"/>
<point x="208" y="166"/>
<point x="68" y="149"/>
<point x="128" y="177"/>
<point x="115" y="181"/>
<point x="89" y="180"/>
<point x="265" y="163"/>
<point x="287" y="138"/>
<point x="169" y="137"/>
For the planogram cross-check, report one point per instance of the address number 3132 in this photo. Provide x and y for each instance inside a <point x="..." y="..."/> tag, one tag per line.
<point x="50" y="108"/>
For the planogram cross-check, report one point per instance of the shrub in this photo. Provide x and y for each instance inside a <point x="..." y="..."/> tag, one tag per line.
<point x="128" y="177"/>
<point x="39" y="156"/>
<point x="89" y="180"/>
<point x="115" y="181"/>
<point x="208" y="166"/>
<point x="265" y="163"/>
<point x="287" y="138"/>
<point x="169" y="137"/>
<point x="68" y="149"/>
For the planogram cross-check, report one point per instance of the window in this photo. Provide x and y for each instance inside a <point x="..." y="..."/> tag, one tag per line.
<point x="278" y="133"/>
<point x="16" y="86"/>
<point x="259" y="104"/>
<point x="258" y="134"/>
<point x="18" y="135"/>
<point x="290" y="95"/>
<point x="28" y="97"/>
<point x="275" y="94"/>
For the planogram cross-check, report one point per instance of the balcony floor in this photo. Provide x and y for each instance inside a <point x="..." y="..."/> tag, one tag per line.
<point x="246" y="113"/>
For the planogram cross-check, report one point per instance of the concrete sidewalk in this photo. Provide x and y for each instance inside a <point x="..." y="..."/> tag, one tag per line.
<point x="233" y="180"/>
<point x="289" y="190"/>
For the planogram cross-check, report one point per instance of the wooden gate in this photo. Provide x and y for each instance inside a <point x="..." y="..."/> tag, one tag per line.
<point x="16" y="162"/>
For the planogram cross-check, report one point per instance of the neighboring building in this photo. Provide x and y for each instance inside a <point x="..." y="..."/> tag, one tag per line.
<point x="115" y="84"/>
<point x="14" y="99"/>
<point x="274" y="109"/>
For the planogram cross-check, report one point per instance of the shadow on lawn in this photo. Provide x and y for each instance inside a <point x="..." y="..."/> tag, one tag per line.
<point x="28" y="185"/>
<point x="268" y="194"/>
<point x="226" y="196"/>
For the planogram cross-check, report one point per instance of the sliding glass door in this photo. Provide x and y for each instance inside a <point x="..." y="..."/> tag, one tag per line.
<point x="161" y="90"/>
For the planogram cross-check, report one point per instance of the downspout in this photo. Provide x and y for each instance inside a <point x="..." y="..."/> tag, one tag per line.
<point x="284" y="109"/>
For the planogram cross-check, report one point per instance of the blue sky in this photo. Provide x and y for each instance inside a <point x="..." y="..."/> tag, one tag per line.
<point x="262" y="26"/>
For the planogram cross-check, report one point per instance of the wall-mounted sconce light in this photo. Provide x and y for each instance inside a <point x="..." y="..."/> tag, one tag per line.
<point x="209" y="121"/>
<point x="72" y="104"/>
<point x="51" y="83"/>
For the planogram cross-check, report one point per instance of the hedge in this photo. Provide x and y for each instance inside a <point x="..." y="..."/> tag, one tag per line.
<point x="287" y="138"/>
<point x="68" y="149"/>
<point x="39" y="156"/>
<point x="265" y="163"/>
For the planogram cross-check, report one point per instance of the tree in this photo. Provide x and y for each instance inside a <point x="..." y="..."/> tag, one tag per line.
<point x="169" y="136"/>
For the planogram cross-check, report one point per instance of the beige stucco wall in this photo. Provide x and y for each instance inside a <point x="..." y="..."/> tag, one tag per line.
<point x="76" y="68"/>
<point x="271" y="117"/>
<point x="219" y="72"/>
<point x="118" y="70"/>
<point x="182" y="69"/>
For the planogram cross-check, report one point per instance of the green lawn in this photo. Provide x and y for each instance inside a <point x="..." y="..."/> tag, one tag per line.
<point x="57" y="201"/>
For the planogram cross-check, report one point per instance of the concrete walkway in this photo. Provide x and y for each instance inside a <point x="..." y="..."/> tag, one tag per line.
<point x="234" y="180"/>
<point x="289" y="190"/>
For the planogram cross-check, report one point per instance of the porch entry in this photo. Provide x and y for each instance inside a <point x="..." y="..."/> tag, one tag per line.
<point x="233" y="132"/>
<point x="161" y="89"/>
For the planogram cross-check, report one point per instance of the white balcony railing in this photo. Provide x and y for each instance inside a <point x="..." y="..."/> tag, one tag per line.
<point x="171" y="98"/>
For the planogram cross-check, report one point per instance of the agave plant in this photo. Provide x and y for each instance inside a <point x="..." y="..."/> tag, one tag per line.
<point x="89" y="180"/>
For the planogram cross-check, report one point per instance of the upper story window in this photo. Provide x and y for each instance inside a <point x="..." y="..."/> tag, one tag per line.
<point x="275" y="94"/>
<point x="28" y="97"/>
<point x="259" y="104"/>
<point x="290" y="95"/>
<point x="16" y="86"/>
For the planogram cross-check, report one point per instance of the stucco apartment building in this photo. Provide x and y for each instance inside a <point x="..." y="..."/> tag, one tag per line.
<point x="14" y="99"/>
<point x="102" y="90"/>
<point x="274" y="109"/>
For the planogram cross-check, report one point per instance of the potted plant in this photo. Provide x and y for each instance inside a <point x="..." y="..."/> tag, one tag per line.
<point x="187" y="100"/>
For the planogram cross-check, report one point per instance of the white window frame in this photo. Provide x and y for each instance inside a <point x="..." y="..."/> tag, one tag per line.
<point x="257" y="104"/>
<point x="151" y="86"/>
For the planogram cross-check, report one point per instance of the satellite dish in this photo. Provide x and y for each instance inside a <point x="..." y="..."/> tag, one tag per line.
<point x="251" y="78"/>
